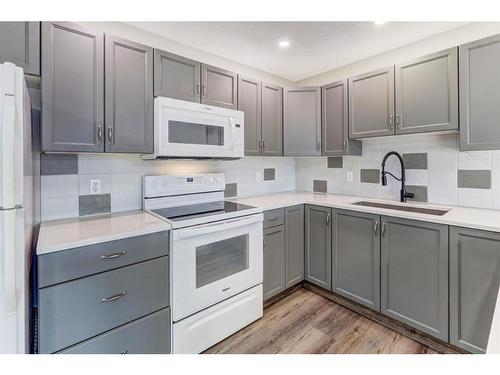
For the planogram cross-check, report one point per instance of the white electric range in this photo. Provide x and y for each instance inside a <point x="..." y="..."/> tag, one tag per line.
<point x="215" y="261"/>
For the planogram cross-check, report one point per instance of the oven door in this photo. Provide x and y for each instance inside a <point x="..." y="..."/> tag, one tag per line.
<point x="213" y="262"/>
<point x="186" y="129"/>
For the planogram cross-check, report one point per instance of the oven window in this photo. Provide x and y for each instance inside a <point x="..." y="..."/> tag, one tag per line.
<point x="195" y="134"/>
<point x="221" y="259"/>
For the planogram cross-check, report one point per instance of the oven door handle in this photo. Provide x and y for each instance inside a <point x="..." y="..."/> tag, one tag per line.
<point x="218" y="226"/>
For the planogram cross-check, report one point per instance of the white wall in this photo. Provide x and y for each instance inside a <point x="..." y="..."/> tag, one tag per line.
<point x="141" y="36"/>
<point x="448" y="39"/>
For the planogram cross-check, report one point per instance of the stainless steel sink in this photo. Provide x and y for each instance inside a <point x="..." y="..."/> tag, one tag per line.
<point x="420" y="210"/>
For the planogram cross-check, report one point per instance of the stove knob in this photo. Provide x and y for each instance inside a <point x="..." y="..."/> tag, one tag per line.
<point x="219" y="179"/>
<point x="211" y="180"/>
<point x="164" y="182"/>
<point x="154" y="183"/>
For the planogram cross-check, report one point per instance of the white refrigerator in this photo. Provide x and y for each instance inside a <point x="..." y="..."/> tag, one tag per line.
<point x="16" y="209"/>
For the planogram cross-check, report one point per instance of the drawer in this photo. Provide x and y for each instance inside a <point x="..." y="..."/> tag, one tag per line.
<point x="61" y="266"/>
<point x="148" y="335"/>
<point x="77" y="310"/>
<point x="273" y="218"/>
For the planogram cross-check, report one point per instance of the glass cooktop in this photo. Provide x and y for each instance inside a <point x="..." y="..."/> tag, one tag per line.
<point x="195" y="211"/>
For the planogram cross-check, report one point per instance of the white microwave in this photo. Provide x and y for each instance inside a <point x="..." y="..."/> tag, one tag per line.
<point x="190" y="130"/>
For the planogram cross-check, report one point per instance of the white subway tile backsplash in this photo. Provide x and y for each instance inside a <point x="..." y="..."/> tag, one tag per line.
<point x="126" y="182"/>
<point x="480" y="198"/>
<point x="84" y="183"/>
<point x="94" y="164"/>
<point x="59" y="208"/>
<point x="55" y="186"/>
<point x="417" y="177"/>
<point x="126" y="201"/>
<point x="474" y="160"/>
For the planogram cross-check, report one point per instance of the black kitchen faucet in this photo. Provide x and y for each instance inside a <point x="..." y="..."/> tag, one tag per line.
<point x="404" y="194"/>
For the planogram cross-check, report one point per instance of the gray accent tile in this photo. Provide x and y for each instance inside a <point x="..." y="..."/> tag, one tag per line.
<point x="415" y="160"/>
<point x="269" y="174"/>
<point x="231" y="190"/>
<point x="419" y="191"/>
<point x="371" y="176"/>
<point x="320" y="186"/>
<point x="94" y="204"/>
<point x="56" y="164"/>
<point x="335" y="162"/>
<point x="474" y="179"/>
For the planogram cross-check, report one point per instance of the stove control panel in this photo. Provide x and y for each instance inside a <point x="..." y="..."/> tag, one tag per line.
<point x="167" y="185"/>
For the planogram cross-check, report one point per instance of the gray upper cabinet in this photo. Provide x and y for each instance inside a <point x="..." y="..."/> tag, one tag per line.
<point x="72" y="88"/>
<point x="414" y="274"/>
<point x="356" y="257"/>
<point x="218" y="87"/>
<point x="427" y="93"/>
<point x="128" y="96"/>
<point x="274" y="268"/>
<point x="176" y="76"/>
<point x="318" y="245"/>
<point x="334" y="121"/>
<point x="474" y="282"/>
<point x="479" y="94"/>
<point x="20" y="45"/>
<point x="302" y="121"/>
<point x="371" y="104"/>
<point x="272" y="120"/>
<point x="294" y="245"/>
<point x="249" y="101"/>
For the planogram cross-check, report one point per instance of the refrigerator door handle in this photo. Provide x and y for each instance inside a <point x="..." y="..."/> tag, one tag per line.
<point x="8" y="145"/>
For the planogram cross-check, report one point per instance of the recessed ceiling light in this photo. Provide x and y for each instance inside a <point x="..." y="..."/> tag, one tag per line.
<point x="378" y="23"/>
<point x="284" y="43"/>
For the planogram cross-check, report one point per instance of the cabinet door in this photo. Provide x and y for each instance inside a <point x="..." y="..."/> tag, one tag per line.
<point x="474" y="281"/>
<point x="249" y="101"/>
<point x="334" y="121"/>
<point x="302" y="121"/>
<point x="272" y="120"/>
<point x="72" y="88"/>
<point x="129" y="96"/>
<point x="414" y="279"/>
<point x="356" y="257"/>
<point x="479" y="94"/>
<point x="219" y="87"/>
<point x="20" y="45"/>
<point x="294" y="245"/>
<point x="176" y="76"/>
<point x="274" y="268"/>
<point x="318" y="246"/>
<point x="371" y="104"/>
<point x="427" y="93"/>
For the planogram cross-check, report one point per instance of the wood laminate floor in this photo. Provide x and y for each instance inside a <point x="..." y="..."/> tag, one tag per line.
<point x="304" y="322"/>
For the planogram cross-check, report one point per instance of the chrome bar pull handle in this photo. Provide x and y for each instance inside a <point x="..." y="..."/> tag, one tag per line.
<point x="391" y="121"/>
<point x="198" y="89"/>
<point x="375" y="227"/>
<point x="383" y="229"/>
<point x="327" y="219"/>
<point x="204" y="90"/>
<point x="113" y="256"/>
<point x="272" y="218"/>
<point x="398" y="125"/>
<point x="99" y="134"/>
<point x="345" y="142"/>
<point x="114" y="298"/>
<point x="110" y="135"/>
<point x="263" y="144"/>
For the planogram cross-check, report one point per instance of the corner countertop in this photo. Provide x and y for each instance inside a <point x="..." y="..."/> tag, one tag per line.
<point x="65" y="234"/>
<point x="477" y="218"/>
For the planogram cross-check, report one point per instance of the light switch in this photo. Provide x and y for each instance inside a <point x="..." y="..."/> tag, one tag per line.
<point x="349" y="176"/>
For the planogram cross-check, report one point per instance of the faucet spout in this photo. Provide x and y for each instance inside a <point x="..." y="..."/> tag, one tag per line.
<point x="403" y="194"/>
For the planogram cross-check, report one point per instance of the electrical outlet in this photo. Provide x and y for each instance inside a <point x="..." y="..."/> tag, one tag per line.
<point x="349" y="176"/>
<point x="258" y="176"/>
<point x="95" y="186"/>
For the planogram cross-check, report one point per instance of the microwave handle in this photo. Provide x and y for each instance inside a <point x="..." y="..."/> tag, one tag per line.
<point x="218" y="226"/>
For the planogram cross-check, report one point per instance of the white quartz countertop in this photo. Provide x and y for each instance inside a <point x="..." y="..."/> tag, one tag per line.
<point x="478" y="218"/>
<point x="66" y="234"/>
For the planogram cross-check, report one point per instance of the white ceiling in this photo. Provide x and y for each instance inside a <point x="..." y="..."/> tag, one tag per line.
<point x="315" y="47"/>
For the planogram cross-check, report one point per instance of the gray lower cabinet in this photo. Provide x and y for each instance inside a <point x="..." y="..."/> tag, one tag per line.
<point x="294" y="245"/>
<point x="72" y="88"/>
<point x="249" y="101"/>
<point x="414" y="274"/>
<point x="334" y="121"/>
<point x="479" y="94"/>
<point x="371" y="104"/>
<point x="20" y="45"/>
<point x="128" y="96"/>
<point x="302" y="121"/>
<point x="272" y="120"/>
<point x="274" y="270"/>
<point x="318" y="245"/>
<point x="356" y="257"/>
<point x="474" y="283"/>
<point x="219" y="87"/>
<point x="176" y="76"/>
<point x="427" y="93"/>
<point x="148" y="335"/>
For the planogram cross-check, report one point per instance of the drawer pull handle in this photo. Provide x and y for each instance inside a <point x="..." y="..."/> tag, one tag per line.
<point x="113" y="256"/>
<point x="272" y="218"/>
<point x="114" y="298"/>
